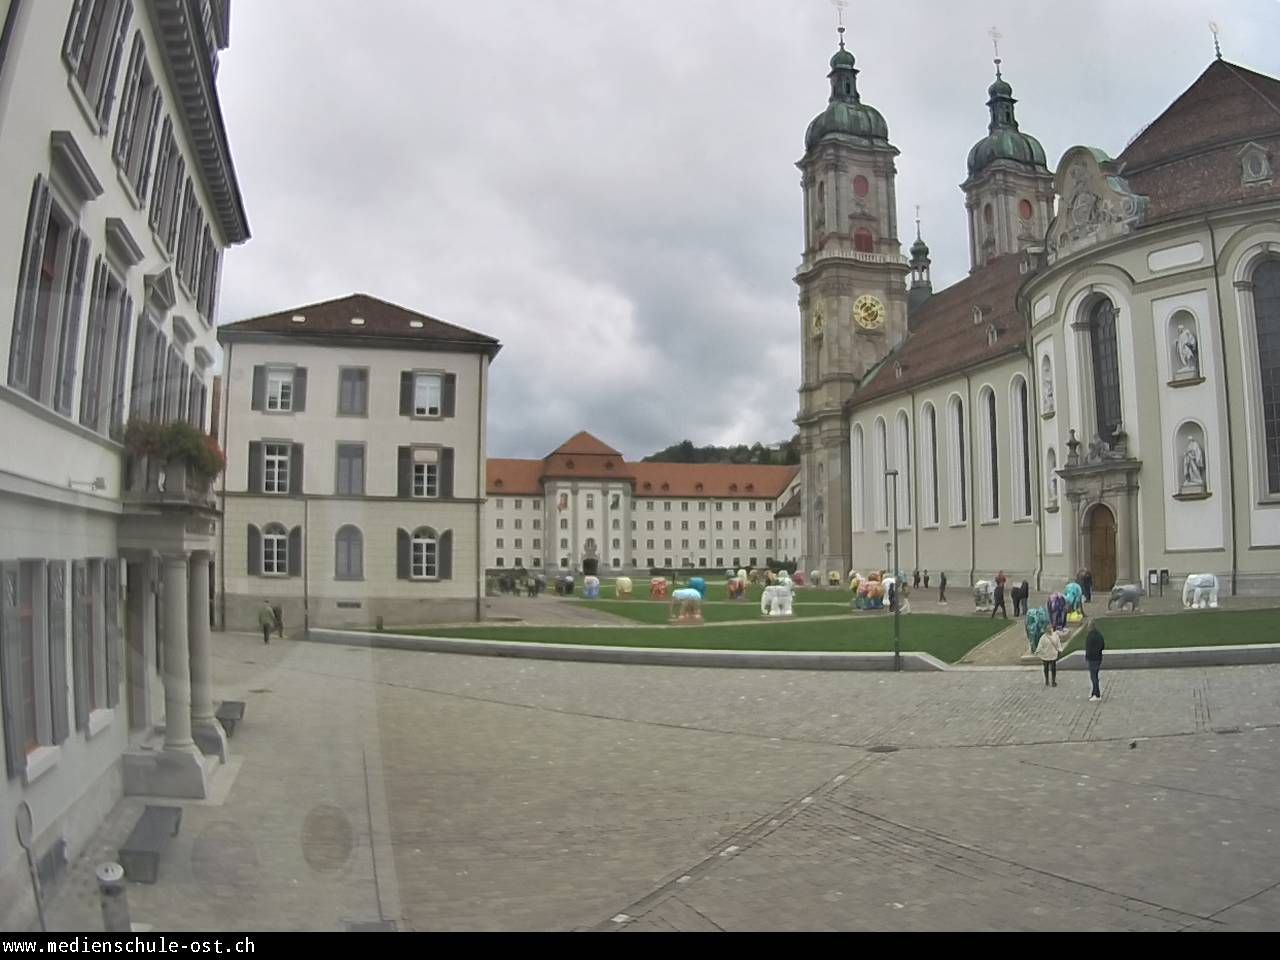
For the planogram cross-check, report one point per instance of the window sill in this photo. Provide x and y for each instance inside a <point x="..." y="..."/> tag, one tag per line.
<point x="1187" y="382"/>
<point x="1052" y="508"/>
<point x="160" y="244"/>
<point x="86" y="108"/>
<point x="277" y="413"/>
<point x="1202" y="495"/>
<point x="349" y="579"/>
<point x="130" y="193"/>
<point x="959" y="526"/>
<point x="353" y="416"/>
<point x="1024" y="520"/>
<point x="1048" y="414"/>
<point x="274" y="576"/>
<point x="426" y="416"/>
<point x="424" y="579"/>
<point x="989" y="523"/>
<point x="40" y="761"/>
<point x="99" y="720"/>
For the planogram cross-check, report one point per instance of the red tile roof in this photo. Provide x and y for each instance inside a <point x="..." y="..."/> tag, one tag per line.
<point x="1188" y="160"/>
<point x="946" y="339"/>
<point x="382" y="320"/>
<point x="585" y="457"/>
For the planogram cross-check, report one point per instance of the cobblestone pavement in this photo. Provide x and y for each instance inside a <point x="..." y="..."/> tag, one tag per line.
<point x="452" y="793"/>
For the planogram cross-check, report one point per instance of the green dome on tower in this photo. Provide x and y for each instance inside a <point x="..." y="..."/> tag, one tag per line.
<point x="1004" y="141"/>
<point x="846" y="115"/>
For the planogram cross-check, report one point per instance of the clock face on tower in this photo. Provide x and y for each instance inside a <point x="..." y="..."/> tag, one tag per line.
<point x="868" y="313"/>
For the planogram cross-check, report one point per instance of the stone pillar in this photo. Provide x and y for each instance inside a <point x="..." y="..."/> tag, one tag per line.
<point x="177" y="662"/>
<point x="140" y="622"/>
<point x="205" y="729"/>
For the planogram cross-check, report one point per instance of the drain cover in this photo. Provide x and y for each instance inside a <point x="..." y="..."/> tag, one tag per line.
<point x="884" y="749"/>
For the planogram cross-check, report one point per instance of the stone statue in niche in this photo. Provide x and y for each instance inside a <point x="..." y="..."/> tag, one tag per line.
<point x="1046" y="391"/>
<point x="1193" y="466"/>
<point x="1188" y="350"/>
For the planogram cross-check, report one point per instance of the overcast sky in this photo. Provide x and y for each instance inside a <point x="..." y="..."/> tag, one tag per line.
<point x="610" y="189"/>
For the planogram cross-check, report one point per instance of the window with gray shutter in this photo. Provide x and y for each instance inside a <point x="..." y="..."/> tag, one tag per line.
<point x="24" y="315"/>
<point x="295" y="469"/>
<point x="259" y="401"/>
<point x="350" y="481"/>
<point x="353" y="392"/>
<point x="255" y="467"/>
<point x="81" y="640"/>
<point x="404" y="471"/>
<point x="15" y="735"/>
<point x="69" y="322"/>
<point x="446" y="472"/>
<point x="446" y="555"/>
<point x="295" y="552"/>
<point x="450" y="395"/>
<point x="253" y="565"/>
<point x="300" y="390"/>
<point x="111" y="613"/>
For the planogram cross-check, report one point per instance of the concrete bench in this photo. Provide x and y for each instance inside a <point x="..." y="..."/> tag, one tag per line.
<point x="140" y="855"/>
<point x="229" y="713"/>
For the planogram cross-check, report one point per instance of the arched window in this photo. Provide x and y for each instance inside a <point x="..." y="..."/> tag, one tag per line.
<point x="857" y="481"/>
<point x="1020" y="405"/>
<point x="1266" y="310"/>
<point x="275" y="550"/>
<point x="820" y="214"/>
<point x="929" y="464"/>
<point x="1106" y="369"/>
<point x="958" y="463"/>
<point x="348" y="561"/>
<point x="863" y="241"/>
<point x="902" y="461"/>
<point x="424" y="556"/>
<point x="989" y="487"/>
<point x="880" y="465"/>
<point x="1051" y="474"/>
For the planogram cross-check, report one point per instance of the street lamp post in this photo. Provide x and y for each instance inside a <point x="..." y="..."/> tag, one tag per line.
<point x="891" y="479"/>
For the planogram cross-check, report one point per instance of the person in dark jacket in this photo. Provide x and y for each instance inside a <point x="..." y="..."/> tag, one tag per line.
<point x="942" y="587"/>
<point x="998" y="603"/>
<point x="1086" y="584"/>
<point x="915" y="580"/>
<point x="1093" y="647"/>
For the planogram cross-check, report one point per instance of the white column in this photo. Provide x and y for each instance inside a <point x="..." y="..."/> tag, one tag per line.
<point x="204" y="725"/>
<point x="177" y="662"/>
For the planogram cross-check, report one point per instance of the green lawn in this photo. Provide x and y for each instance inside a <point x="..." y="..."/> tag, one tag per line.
<point x="1193" y="628"/>
<point x="947" y="638"/>
<point x="659" y="612"/>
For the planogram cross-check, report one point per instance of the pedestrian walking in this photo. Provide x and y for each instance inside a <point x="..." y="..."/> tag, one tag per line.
<point x="266" y="620"/>
<point x="1086" y="584"/>
<point x="942" y="587"/>
<point x="1001" y="579"/>
<point x="915" y="580"/>
<point x="277" y="611"/>
<point x="999" y="601"/>
<point x="1020" y="595"/>
<point x="1093" y="647"/>
<point x="926" y="579"/>
<point x="1050" y="651"/>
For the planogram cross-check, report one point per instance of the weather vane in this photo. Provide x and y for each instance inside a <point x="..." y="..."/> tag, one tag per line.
<point x="996" y="36"/>
<point x="1217" y="41"/>
<point x="841" y="6"/>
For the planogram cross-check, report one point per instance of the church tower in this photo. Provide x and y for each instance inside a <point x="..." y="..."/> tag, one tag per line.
<point x="853" y="297"/>
<point x="1009" y="191"/>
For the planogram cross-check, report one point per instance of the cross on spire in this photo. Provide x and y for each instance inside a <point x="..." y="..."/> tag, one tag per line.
<point x="918" y="236"/>
<point x="840" y="6"/>
<point x="996" y="36"/>
<point x="1217" y="41"/>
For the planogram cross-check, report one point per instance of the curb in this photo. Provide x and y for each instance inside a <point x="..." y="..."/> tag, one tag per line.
<point x="1238" y="655"/>
<point x="649" y="656"/>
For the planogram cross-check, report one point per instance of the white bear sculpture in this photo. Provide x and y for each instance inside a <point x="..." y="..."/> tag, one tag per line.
<point x="776" y="600"/>
<point x="982" y="596"/>
<point x="1200" y="590"/>
<point x="622" y="588"/>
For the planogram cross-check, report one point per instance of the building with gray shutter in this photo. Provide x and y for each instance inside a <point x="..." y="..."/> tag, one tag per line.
<point x="118" y="199"/>
<point x="355" y="480"/>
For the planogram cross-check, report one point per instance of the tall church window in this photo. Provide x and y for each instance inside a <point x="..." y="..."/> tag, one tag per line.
<point x="857" y="483"/>
<point x="1021" y="447"/>
<point x="930" y="464"/>
<point x="863" y="241"/>
<point x="902" y="461"/>
<point x="881" y="464"/>
<point x="958" y="463"/>
<point x="1106" y="369"/>
<point x="989" y="488"/>
<point x="1266" y="307"/>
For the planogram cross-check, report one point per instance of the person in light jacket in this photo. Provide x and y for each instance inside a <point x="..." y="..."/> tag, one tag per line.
<point x="266" y="620"/>
<point x="1093" y="647"/>
<point x="1049" y="651"/>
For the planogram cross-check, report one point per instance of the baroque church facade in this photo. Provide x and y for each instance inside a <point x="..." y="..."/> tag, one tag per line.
<point x="1102" y="390"/>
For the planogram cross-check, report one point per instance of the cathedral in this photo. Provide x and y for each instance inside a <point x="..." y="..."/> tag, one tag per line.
<point x="1102" y="390"/>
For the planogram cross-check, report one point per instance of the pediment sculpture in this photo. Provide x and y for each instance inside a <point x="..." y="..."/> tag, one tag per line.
<point x="1095" y="202"/>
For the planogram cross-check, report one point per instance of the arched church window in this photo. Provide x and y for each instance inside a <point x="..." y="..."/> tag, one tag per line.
<point x="863" y="241"/>
<point x="988" y="215"/>
<point x="881" y="453"/>
<point x="1266" y="309"/>
<point x="1106" y="369"/>
<point x="959" y="463"/>
<point x="931" y="464"/>
<point x="902" y="461"/>
<point x="990" y="488"/>
<point x="856" y="473"/>
<point x="1022" y="446"/>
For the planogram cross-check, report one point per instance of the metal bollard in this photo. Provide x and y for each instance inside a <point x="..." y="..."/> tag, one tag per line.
<point x="115" y="898"/>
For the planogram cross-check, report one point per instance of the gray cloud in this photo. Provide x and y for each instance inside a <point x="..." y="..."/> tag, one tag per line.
<point x="610" y="189"/>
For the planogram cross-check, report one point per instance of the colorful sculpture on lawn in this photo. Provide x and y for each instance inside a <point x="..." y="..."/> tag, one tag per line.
<point x="870" y="594"/>
<point x="1037" y="624"/>
<point x="984" y="596"/>
<point x="1126" y="595"/>
<point x="1200" y="590"/>
<point x="658" y="588"/>
<point x="1057" y="609"/>
<point x="622" y="588"/>
<point x="777" y="599"/>
<point x="591" y="588"/>
<point x="686" y="605"/>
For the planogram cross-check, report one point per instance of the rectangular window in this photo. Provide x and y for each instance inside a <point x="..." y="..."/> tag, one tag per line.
<point x="752" y="545"/>
<point x="97" y="386"/>
<point x="702" y="545"/>
<point x="617" y="524"/>
<point x="139" y="118"/>
<point x="768" y="524"/>
<point x="537" y="544"/>
<point x="564" y="524"/>
<point x="684" y="544"/>
<point x="702" y="524"/>
<point x="519" y="504"/>
<point x="92" y="50"/>
<point x="350" y="470"/>
<point x="666" y="525"/>
<point x="498" y="562"/>
<point x="564" y="543"/>
<point x="423" y="559"/>
<point x="684" y="524"/>
<point x="280" y="390"/>
<point x="719" y="506"/>
<point x="752" y="506"/>
<point x="648" y="505"/>
<point x="684" y="506"/>
<point x="648" y="544"/>
<point x="591" y="524"/>
<point x="751" y="525"/>
<point x="648" y="524"/>
<point x="499" y="503"/>
<point x="519" y="524"/>
<point x="666" y="544"/>
<point x="591" y="501"/>
<point x="275" y="468"/>
<point x="499" y="545"/>
<point x="275" y="552"/>
<point x="537" y="504"/>
<point x="737" y="544"/>
<point x="617" y="544"/>
<point x="666" y="505"/>
<point x="498" y="524"/>
<point x="427" y="391"/>
<point x="519" y="543"/>
<point x="353" y="392"/>
<point x="768" y="508"/>
<point x="426" y="480"/>
<point x="719" y="524"/>
<point x="736" y="506"/>
<point x="537" y="523"/>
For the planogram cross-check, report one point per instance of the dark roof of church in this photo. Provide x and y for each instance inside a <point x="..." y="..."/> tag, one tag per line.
<point x="381" y="320"/>
<point x="1188" y="159"/>
<point x="790" y="509"/>
<point x="946" y="338"/>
